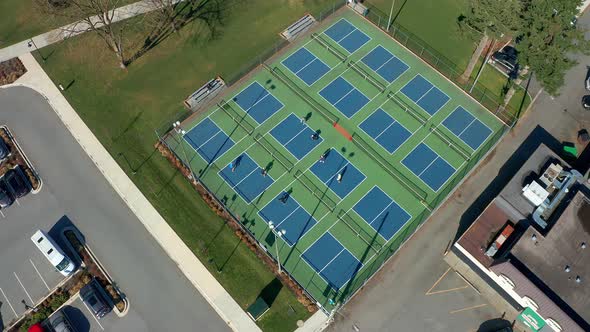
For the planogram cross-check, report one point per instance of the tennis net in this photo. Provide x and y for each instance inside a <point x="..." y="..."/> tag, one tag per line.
<point x="302" y="94"/>
<point x="443" y="137"/>
<point x="315" y="190"/>
<point x="330" y="49"/>
<point x="373" y="241"/>
<point x="288" y="165"/>
<point x="364" y="74"/>
<point x="392" y="96"/>
<point x="239" y="119"/>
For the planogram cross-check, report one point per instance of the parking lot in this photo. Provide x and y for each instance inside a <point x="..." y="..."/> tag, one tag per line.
<point x="25" y="274"/>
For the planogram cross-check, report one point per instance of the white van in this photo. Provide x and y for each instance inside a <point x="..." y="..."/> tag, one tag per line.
<point x="53" y="253"/>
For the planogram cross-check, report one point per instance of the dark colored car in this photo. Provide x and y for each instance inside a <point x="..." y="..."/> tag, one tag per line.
<point x="506" y="60"/>
<point x="4" y="150"/>
<point x="6" y="198"/>
<point x="92" y="297"/>
<point x="586" y="102"/>
<point x="18" y="183"/>
<point x="60" y="322"/>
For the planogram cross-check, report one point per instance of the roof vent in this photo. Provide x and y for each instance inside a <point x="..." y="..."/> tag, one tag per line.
<point x="583" y="245"/>
<point x="534" y="237"/>
<point x="567" y="268"/>
<point x="578" y="279"/>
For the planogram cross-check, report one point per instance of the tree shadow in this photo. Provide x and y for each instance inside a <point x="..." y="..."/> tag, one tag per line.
<point x="210" y="12"/>
<point x="494" y="324"/>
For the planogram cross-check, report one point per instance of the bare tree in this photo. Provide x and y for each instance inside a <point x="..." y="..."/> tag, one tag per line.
<point x="98" y="16"/>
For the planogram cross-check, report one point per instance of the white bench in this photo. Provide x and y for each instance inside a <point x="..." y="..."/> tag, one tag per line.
<point x="358" y="7"/>
<point x="297" y="28"/>
<point x="204" y="93"/>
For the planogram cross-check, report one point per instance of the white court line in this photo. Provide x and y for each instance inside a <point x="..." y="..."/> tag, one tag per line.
<point x="40" y="276"/>
<point x="469" y="125"/>
<point x="93" y="316"/>
<point x="11" y="307"/>
<point x="207" y="141"/>
<point x="305" y="66"/>
<point x="432" y="162"/>
<point x="333" y="258"/>
<point x="432" y="87"/>
<point x="21" y="284"/>
<point x="292" y="138"/>
<point x="295" y="210"/>
<point x="352" y="88"/>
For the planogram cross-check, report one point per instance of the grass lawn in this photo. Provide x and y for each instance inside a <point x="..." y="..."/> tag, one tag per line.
<point x="495" y="81"/>
<point x="22" y="19"/>
<point x="123" y="109"/>
<point x="435" y="22"/>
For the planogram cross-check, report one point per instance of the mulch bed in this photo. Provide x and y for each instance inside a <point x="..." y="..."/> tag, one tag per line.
<point x="11" y="70"/>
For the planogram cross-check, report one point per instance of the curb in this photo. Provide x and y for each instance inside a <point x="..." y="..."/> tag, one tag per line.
<point x="26" y="159"/>
<point x="100" y="267"/>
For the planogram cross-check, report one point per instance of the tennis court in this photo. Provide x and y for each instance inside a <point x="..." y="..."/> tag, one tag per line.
<point x="296" y="136"/>
<point x="387" y="65"/>
<point x="258" y="102"/>
<point x="344" y="141"/>
<point x="306" y="66"/>
<point x="385" y="130"/>
<point x="425" y="94"/>
<point x="344" y="96"/>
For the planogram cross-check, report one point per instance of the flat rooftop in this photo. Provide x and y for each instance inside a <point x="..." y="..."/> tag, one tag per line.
<point x="486" y="228"/>
<point x="547" y="256"/>
<point x="536" y="163"/>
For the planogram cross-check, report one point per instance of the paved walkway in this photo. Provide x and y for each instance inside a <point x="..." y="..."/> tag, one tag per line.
<point x="188" y="263"/>
<point x="74" y="29"/>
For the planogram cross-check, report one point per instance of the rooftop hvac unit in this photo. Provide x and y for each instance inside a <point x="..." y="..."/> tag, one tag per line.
<point x="551" y="173"/>
<point x="535" y="193"/>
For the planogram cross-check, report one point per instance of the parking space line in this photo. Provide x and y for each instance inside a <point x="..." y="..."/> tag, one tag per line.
<point x="93" y="316"/>
<point x="2" y="213"/>
<point x="437" y="281"/>
<point x="40" y="276"/>
<point x="11" y="307"/>
<point x="448" y="290"/>
<point x="21" y="284"/>
<point x="468" y="308"/>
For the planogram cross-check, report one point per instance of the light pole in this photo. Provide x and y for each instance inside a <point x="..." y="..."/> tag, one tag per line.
<point x="182" y="132"/>
<point x="278" y="234"/>
<point x="390" y="14"/>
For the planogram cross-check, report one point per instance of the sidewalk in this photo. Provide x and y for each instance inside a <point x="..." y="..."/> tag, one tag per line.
<point x="187" y="262"/>
<point x="74" y="29"/>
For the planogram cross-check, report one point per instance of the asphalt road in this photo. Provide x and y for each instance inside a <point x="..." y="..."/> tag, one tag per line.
<point x="74" y="191"/>
<point x="411" y="292"/>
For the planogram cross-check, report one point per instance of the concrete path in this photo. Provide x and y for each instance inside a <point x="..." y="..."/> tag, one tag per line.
<point x="188" y="263"/>
<point x="74" y="29"/>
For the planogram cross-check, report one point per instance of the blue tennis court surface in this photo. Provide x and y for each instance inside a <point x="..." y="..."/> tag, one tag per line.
<point x="306" y="66"/>
<point x="385" y="64"/>
<point x="425" y="94"/>
<point x="428" y="166"/>
<point x="289" y="216"/>
<point x="247" y="179"/>
<point x="208" y="140"/>
<point x="258" y="102"/>
<point x="295" y="136"/>
<point x="468" y="128"/>
<point x="332" y="261"/>
<point x="382" y="213"/>
<point x="344" y="96"/>
<point x="389" y="133"/>
<point x="333" y="165"/>
<point x="347" y="35"/>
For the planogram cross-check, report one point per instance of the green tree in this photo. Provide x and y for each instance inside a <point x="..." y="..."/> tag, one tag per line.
<point x="548" y="39"/>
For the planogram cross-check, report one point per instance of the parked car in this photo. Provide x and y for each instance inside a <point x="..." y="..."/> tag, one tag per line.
<point x="92" y="296"/>
<point x="586" y="102"/>
<point x="6" y="198"/>
<point x="506" y="60"/>
<point x="4" y="150"/>
<point x="587" y="82"/>
<point x="60" y="322"/>
<point x="18" y="182"/>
